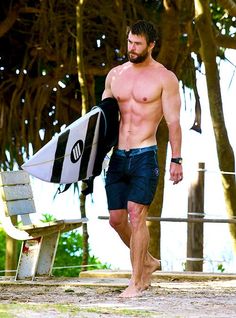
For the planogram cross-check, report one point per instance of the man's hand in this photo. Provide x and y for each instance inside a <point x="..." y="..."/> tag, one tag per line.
<point x="176" y="172"/>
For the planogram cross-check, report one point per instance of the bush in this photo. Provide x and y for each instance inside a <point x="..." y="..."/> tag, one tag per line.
<point x="2" y="249"/>
<point x="70" y="253"/>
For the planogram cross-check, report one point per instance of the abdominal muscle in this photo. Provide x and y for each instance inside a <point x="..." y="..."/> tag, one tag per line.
<point x="138" y="126"/>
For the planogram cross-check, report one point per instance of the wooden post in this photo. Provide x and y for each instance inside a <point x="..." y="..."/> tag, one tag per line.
<point x="195" y="229"/>
<point x="11" y="253"/>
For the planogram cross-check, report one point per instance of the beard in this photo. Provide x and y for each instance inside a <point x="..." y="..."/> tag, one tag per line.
<point x="139" y="58"/>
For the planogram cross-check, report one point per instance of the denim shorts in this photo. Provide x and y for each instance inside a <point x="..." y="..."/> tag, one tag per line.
<point x="132" y="176"/>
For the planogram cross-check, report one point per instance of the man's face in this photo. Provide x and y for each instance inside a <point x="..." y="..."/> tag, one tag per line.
<point x="138" y="50"/>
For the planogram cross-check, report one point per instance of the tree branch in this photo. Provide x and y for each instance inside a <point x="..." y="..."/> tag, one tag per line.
<point x="228" y="5"/>
<point x="6" y="24"/>
<point x="226" y="41"/>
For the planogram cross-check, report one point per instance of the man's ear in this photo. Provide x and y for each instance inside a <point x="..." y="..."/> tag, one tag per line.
<point x="152" y="44"/>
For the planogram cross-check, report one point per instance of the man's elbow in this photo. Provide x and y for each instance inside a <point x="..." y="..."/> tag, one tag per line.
<point x="174" y="124"/>
<point x="107" y="94"/>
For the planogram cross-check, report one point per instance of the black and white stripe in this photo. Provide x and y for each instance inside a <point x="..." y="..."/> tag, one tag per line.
<point x="88" y="146"/>
<point x="80" y="151"/>
<point x="59" y="156"/>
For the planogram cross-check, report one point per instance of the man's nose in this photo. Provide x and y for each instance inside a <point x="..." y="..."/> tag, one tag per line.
<point x="133" y="47"/>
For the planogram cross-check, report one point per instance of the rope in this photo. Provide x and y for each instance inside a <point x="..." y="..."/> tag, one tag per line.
<point x="194" y="259"/>
<point x="217" y="171"/>
<point x="8" y="271"/>
<point x="56" y="267"/>
<point x="76" y="266"/>
<point x="167" y="262"/>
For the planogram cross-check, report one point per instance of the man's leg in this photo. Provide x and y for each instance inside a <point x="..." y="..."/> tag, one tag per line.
<point x="136" y="236"/>
<point x="138" y="247"/>
<point x="119" y="221"/>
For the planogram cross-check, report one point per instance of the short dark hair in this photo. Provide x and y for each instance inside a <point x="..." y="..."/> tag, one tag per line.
<point x="146" y="29"/>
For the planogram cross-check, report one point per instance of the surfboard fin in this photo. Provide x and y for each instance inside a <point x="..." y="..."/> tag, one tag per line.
<point x="62" y="188"/>
<point x="89" y="182"/>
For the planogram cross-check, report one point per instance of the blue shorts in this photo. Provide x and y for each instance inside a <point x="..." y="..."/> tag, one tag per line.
<point x="132" y="176"/>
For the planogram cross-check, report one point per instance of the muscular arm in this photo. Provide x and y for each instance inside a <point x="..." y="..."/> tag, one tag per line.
<point x="107" y="91"/>
<point x="171" y="110"/>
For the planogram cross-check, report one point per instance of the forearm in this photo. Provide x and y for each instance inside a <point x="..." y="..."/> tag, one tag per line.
<point x="175" y="139"/>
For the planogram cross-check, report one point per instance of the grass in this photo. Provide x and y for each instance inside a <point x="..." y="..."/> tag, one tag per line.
<point x="25" y="310"/>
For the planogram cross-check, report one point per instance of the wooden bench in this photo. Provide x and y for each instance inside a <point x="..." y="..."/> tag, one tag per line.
<point x="39" y="240"/>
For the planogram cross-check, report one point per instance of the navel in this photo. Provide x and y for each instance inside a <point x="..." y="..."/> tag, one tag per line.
<point x="144" y="99"/>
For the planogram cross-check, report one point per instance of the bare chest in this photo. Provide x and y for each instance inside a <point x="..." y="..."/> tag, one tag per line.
<point x="139" y="86"/>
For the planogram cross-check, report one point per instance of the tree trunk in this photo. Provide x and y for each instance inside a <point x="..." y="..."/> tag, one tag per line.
<point x="224" y="150"/>
<point x="82" y="200"/>
<point x="155" y="208"/>
<point x="170" y="36"/>
<point x="80" y="60"/>
<point x="84" y="96"/>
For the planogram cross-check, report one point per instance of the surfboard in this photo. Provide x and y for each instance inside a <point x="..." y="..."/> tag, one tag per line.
<point x="69" y="156"/>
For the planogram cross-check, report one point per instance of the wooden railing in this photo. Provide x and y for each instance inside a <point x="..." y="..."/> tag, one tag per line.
<point x="195" y="221"/>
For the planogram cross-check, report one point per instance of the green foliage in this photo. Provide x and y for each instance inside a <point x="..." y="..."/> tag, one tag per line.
<point x="220" y="268"/>
<point x="48" y="218"/>
<point x="2" y="248"/>
<point x="69" y="254"/>
<point x="222" y="20"/>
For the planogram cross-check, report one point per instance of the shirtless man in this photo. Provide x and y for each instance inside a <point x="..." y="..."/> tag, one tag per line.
<point x="146" y="91"/>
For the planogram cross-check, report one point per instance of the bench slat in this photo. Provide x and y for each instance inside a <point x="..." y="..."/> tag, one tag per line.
<point x="19" y="207"/>
<point x="10" y="178"/>
<point x="16" y="192"/>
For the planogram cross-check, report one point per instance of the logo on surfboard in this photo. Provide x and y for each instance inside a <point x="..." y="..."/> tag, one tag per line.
<point x="77" y="151"/>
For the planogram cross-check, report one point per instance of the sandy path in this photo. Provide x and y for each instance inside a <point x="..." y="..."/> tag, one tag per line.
<point x="95" y="299"/>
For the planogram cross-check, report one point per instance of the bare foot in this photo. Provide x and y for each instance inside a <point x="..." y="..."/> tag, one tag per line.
<point x="153" y="265"/>
<point x="150" y="267"/>
<point x="131" y="291"/>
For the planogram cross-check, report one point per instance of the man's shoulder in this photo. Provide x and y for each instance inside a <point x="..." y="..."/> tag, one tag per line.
<point x="161" y="68"/>
<point x="119" y="67"/>
<point x="164" y="73"/>
<point x="112" y="71"/>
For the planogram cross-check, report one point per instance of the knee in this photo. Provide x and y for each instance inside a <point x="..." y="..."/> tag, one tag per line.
<point x="116" y="221"/>
<point x="137" y="214"/>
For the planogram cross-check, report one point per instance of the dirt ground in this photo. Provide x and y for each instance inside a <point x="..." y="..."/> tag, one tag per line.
<point x="95" y="298"/>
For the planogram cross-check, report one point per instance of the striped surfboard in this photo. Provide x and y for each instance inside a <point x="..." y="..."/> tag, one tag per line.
<point x="69" y="156"/>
